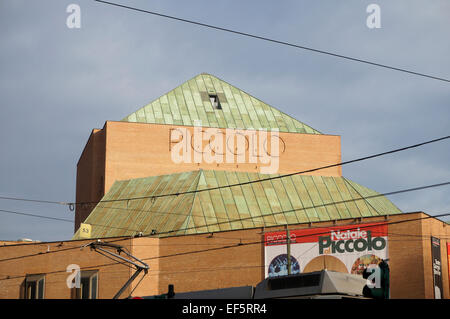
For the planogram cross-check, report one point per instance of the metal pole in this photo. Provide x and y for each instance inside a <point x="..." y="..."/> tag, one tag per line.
<point x="139" y="267"/>
<point x="288" y="244"/>
<point x="128" y="283"/>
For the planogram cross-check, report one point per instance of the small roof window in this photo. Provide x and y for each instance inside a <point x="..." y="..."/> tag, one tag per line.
<point x="215" y="101"/>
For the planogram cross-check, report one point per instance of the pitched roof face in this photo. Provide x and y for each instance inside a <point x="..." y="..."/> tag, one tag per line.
<point x="288" y="200"/>
<point x="218" y="104"/>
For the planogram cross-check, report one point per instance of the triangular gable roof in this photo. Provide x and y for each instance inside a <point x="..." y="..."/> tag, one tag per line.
<point x="190" y="102"/>
<point x="288" y="200"/>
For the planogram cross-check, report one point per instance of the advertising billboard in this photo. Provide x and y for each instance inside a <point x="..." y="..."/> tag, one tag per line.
<point x="348" y="249"/>
<point x="437" y="267"/>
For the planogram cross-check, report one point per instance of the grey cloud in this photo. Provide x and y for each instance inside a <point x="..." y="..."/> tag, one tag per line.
<point x="56" y="84"/>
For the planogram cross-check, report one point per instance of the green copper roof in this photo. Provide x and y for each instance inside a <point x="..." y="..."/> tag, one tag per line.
<point x="288" y="200"/>
<point x="190" y="102"/>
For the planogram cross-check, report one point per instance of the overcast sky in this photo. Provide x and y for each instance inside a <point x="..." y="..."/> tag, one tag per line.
<point x="57" y="84"/>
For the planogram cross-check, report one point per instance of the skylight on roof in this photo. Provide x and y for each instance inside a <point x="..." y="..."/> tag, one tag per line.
<point x="215" y="101"/>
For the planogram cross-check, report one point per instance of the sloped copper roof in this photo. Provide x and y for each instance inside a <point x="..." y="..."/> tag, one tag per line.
<point x="190" y="102"/>
<point x="136" y="205"/>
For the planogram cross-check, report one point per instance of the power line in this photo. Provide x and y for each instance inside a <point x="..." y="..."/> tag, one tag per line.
<point x="329" y="53"/>
<point x="65" y="270"/>
<point x="39" y="253"/>
<point x="53" y="218"/>
<point x="33" y="200"/>
<point x="280" y="212"/>
<point x="264" y="215"/>
<point x="165" y="273"/>
<point x="73" y="204"/>
<point x="37" y="216"/>
<point x="239" y="244"/>
<point x="305" y="208"/>
<point x="262" y="242"/>
<point x="300" y="236"/>
<point x="224" y="247"/>
<point x="279" y="176"/>
<point x="269" y="214"/>
<point x="235" y="220"/>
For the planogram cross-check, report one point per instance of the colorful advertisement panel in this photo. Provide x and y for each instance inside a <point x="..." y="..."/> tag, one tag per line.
<point x="348" y="249"/>
<point x="437" y="267"/>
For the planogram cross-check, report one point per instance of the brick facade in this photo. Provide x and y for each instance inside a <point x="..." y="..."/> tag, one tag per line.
<point x="123" y="150"/>
<point x="219" y="260"/>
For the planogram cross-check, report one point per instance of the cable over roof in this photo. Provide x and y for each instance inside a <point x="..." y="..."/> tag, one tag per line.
<point x="288" y="200"/>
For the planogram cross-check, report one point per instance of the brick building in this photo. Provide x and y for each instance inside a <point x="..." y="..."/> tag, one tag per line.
<point x="193" y="184"/>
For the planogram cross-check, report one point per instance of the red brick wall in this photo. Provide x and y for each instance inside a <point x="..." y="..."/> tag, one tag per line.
<point x="52" y="259"/>
<point x="211" y="267"/>
<point x="198" y="262"/>
<point x="123" y="150"/>
<point x="90" y="185"/>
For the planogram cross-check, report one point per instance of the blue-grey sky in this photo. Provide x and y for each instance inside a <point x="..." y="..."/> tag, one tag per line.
<point x="57" y="84"/>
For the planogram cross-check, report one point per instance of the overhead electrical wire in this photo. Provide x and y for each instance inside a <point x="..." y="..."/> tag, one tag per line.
<point x="355" y="226"/>
<point x="297" y="46"/>
<point x="73" y="204"/>
<point x="284" y="211"/>
<point x="243" y="218"/>
<point x="239" y="184"/>
<point x="303" y="208"/>
<point x="349" y="227"/>
<point x="245" y="183"/>
<point x="230" y="246"/>
<point x="33" y="200"/>
<point x="283" y="175"/>
<point x="34" y="215"/>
